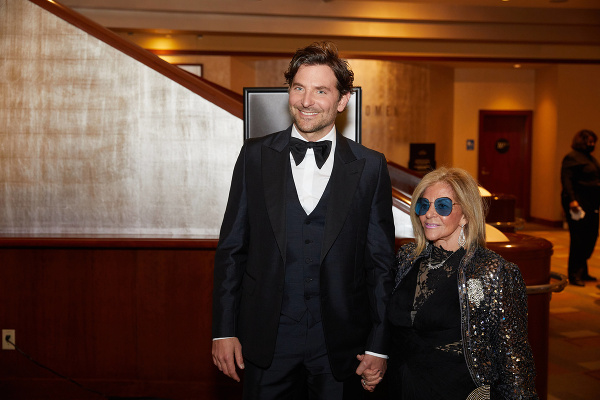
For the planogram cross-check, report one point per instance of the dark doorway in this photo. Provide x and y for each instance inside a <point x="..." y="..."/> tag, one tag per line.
<point x="505" y="155"/>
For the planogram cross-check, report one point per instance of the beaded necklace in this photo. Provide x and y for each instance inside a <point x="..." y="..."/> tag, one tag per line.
<point x="438" y="265"/>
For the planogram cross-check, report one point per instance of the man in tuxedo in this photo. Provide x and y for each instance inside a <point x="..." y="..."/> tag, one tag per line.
<point x="303" y="266"/>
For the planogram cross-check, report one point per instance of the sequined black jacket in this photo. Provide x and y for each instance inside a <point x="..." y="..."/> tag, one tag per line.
<point x="493" y="302"/>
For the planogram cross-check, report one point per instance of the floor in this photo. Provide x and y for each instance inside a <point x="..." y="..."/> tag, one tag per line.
<point x="574" y="337"/>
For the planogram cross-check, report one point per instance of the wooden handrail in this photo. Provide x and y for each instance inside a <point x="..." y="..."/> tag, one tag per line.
<point x="102" y="242"/>
<point x="400" y="200"/>
<point x="403" y="179"/>
<point x="221" y="97"/>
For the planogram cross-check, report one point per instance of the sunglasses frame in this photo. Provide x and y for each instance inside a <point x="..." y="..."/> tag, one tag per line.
<point x="420" y="210"/>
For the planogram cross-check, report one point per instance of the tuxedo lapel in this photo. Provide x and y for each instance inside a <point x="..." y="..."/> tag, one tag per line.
<point x="347" y="170"/>
<point x="275" y="162"/>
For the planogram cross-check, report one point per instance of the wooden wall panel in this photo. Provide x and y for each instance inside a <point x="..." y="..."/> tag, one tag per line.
<point x="129" y="321"/>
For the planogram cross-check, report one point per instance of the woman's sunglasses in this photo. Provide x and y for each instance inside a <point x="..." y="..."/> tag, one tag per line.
<point x="443" y="206"/>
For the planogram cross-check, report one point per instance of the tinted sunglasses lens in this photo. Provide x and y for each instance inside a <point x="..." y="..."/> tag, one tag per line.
<point x="422" y="206"/>
<point x="443" y="206"/>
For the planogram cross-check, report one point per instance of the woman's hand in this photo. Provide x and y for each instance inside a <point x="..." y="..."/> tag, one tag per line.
<point x="574" y="205"/>
<point x="370" y="377"/>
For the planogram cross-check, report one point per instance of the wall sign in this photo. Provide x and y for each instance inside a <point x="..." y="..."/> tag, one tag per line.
<point x="502" y="146"/>
<point x="422" y="157"/>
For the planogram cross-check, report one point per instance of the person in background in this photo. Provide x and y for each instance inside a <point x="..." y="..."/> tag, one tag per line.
<point x="580" y="198"/>
<point x="458" y="311"/>
<point x="302" y="272"/>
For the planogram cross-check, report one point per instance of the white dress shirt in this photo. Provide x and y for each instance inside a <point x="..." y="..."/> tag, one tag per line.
<point x="311" y="181"/>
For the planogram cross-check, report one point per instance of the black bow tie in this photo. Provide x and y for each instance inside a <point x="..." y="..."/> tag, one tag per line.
<point x="321" y="149"/>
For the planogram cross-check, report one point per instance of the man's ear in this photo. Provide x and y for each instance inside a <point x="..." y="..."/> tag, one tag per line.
<point x="344" y="102"/>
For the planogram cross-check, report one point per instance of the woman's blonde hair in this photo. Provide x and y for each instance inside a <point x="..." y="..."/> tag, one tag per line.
<point x="466" y="192"/>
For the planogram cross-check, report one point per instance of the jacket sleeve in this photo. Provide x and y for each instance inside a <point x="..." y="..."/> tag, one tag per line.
<point x="231" y="255"/>
<point x="568" y="172"/>
<point x="380" y="252"/>
<point x="514" y="359"/>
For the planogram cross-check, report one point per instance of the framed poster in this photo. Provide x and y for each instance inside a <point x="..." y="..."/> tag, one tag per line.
<point x="266" y="111"/>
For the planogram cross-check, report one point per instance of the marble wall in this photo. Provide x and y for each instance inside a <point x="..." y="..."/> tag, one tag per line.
<point x="95" y="142"/>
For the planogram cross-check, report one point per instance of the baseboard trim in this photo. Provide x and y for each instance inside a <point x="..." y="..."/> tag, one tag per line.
<point x="546" y="222"/>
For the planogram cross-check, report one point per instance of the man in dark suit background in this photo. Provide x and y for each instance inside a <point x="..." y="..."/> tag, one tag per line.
<point x="302" y="270"/>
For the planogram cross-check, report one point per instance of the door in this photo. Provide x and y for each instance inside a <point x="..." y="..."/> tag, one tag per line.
<point x="505" y="155"/>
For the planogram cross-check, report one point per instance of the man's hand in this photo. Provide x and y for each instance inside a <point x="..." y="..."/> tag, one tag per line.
<point x="371" y="370"/>
<point x="226" y="353"/>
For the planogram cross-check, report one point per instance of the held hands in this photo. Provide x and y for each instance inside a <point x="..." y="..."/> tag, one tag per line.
<point x="226" y="353"/>
<point x="371" y="369"/>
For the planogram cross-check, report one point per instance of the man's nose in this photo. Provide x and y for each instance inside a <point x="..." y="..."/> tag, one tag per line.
<point x="307" y="99"/>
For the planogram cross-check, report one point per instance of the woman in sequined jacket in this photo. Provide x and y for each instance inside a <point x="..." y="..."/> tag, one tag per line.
<point x="458" y="310"/>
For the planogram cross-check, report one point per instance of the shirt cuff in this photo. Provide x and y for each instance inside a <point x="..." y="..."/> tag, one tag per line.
<point x="219" y="338"/>
<point x="376" y="354"/>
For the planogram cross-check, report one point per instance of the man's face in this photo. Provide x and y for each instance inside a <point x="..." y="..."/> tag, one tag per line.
<point x="314" y="101"/>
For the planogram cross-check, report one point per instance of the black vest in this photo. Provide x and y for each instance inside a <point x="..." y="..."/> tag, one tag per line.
<point x="304" y="241"/>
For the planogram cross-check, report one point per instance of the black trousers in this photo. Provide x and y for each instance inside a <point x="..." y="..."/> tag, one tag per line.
<point x="300" y="368"/>
<point x="583" y="235"/>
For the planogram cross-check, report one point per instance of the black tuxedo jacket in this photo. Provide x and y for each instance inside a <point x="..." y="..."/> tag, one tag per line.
<point x="356" y="257"/>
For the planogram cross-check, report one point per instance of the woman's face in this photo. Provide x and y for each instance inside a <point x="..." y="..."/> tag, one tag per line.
<point x="442" y="231"/>
<point x="590" y="144"/>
